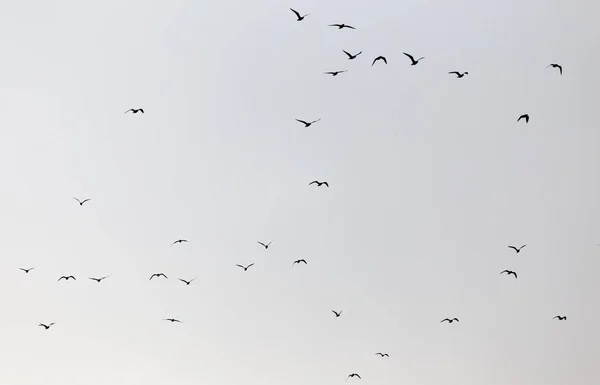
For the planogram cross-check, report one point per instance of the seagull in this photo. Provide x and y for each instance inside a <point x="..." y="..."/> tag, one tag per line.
<point x="515" y="249"/>
<point x="81" y="202"/>
<point x="300" y="18"/>
<point x="379" y="58"/>
<point x="46" y="326"/>
<point x="458" y="74"/>
<point x="353" y="375"/>
<point x="556" y="66"/>
<point x="179" y="241"/>
<point x="26" y="270"/>
<point x="334" y="73"/>
<point x="298" y="262"/>
<point x="172" y="320"/>
<point x="524" y="116"/>
<point x="265" y="246"/>
<point x="135" y="111"/>
<point x="509" y="272"/>
<point x="350" y="56"/>
<point x="337" y="313"/>
<point x="158" y="275"/>
<point x="66" y="278"/>
<point x="382" y="354"/>
<point x="561" y="318"/>
<point x="99" y="279"/>
<point x="341" y="26"/>
<point x="450" y="320"/>
<point x="412" y="59"/>
<point x="319" y="183"/>
<point x="187" y="282"/>
<point x="308" y="124"/>
<point x="245" y="267"/>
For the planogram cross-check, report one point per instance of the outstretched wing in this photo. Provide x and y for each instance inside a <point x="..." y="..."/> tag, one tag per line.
<point x="335" y="25"/>
<point x="240" y="266"/>
<point x="296" y="12"/>
<point x="347" y="53"/>
<point x="302" y="121"/>
<point x="409" y="56"/>
<point x="349" y="26"/>
<point x="252" y="264"/>
<point x="454" y="72"/>
<point x="445" y="319"/>
<point x="313" y="182"/>
<point x="512" y="247"/>
<point x="522" y="247"/>
<point x="63" y="277"/>
<point x="326" y="184"/>
<point x="315" y="121"/>
<point x="131" y="109"/>
<point x="262" y="244"/>
<point x="505" y="271"/>
<point x="421" y="58"/>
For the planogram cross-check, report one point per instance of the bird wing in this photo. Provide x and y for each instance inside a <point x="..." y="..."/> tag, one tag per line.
<point x="346" y="52"/>
<point x="131" y="109"/>
<point x="302" y="121"/>
<point x="374" y="60"/>
<point x="269" y="244"/>
<point x="183" y="280"/>
<point x="349" y="26"/>
<point x="326" y="184"/>
<point x="445" y="319"/>
<point x="163" y="275"/>
<point x="62" y="277"/>
<point x="240" y="266"/>
<point x="313" y="182"/>
<point x="505" y="271"/>
<point x="296" y="12"/>
<point x="522" y="247"/>
<point x="77" y="200"/>
<point x="384" y="59"/>
<point x="421" y="58"/>
<point x="512" y="247"/>
<point x="409" y="56"/>
<point x="456" y="319"/>
<point x="335" y="25"/>
<point x="560" y="69"/>
<point x="252" y="264"/>
<point x="454" y="72"/>
<point x="315" y="121"/>
<point x="20" y="268"/>
<point x="262" y="244"/>
<point x="556" y="317"/>
<point x="513" y="273"/>
<point x="106" y="276"/>
<point x="85" y="200"/>
<point x="358" y="376"/>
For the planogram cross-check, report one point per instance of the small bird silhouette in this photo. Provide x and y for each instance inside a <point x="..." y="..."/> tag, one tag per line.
<point x="187" y="282"/>
<point x="265" y="246"/>
<point x="179" y="241"/>
<point x="518" y="250"/>
<point x="158" y="275"/>
<point x="135" y="111"/>
<point x="379" y="58"/>
<point x="341" y="26"/>
<point x="99" y="279"/>
<point x="337" y="313"/>
<point x="450" y="320"/>
<point x="350" y="56"/>
<point x="319" y="183"/>
<point x="245" y="267"/>
<point x="298" y="262"/>
<point x="172" y="320"/>
<point x="553" y="65"/>
<point x="524" y="116"/>
<point x="509" y="272"/>
<point x="458" y="74"/>
<point x="561" y="318"/>
<point x="46" y="326"/>
<point x="81" y="202"/>
<point x="353" y="375"/>
<point x="382" y="354"/>
<point x="66" y="278"/>
<point x="26" y="270"/>
<point x="308" y="124"/>
<point x="412" y="59"/>
<point x="334" y="73"/>
<point x="300" y="18"/>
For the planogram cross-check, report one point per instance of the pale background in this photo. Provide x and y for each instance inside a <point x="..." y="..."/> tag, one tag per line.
<point x="431" y="178"/>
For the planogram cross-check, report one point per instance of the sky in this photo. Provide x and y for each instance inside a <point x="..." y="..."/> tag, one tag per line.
<point x="431" y="178"/>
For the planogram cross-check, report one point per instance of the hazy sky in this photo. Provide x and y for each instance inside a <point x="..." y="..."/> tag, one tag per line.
<point x="431" y="178"/>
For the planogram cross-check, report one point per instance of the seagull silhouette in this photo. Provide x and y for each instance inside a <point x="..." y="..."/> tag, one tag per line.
<point x="341" y="26"/>
<point x="553" y="65"/>
<point x="66" y="278"/>
<point x="187" y="282"/>
<point x="46" y="326"/>
<point x="26" y="270"/>
<point x="319" y="183"/>
<point x="509" y="272"/>
<point x="350" y="56"/>
<point x="561" y="318"/>
<point x="172" y="320"/>
<point x="334" y="73"/>
<point x="300" y="18"/>
<point x="308" y="124"/>
<point x="450" y="320"/>
<point x="337" y="313"/>
<point x="81" y="202"/>
<point x="99" y="279"/>
<point x="518" y="250"/>
<point x="135" y="111"/>
<point x="382" y="354"/>
<point x="412" y="59"/>
<point x="158" y="275"/>
<point x="245" y="267"/>
<point x="353" y="375"/>
<point x="458" y="74"/>
<point x="379" y="58"/>
<point x="265" y="246"/>
<point x="298" y="262"/>
<point x="524" y="116"/>
<point x="180" y="241"/>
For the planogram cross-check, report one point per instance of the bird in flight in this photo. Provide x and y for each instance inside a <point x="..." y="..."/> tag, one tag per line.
<point x="99" y="279"/>
<point x="509" y="272"/>
<point x="379" y="58"/>
<point x="518" y="250"/>
<point x="450" y="320"/>
<point x="458" y="74"/>
<point x="298" y="262"/>
<point x="341" y="26"/>
<point x="553" y="65"/>
<point x="66" y="278"/>
<point x="135" y="111"/>
<point x="561" y="318"/>
<point x="300" y="18"/>
<point x="245" y="267"/>
<point x="187" y="282"/>
<point x="353" y="375"/>
<point x="26" y="270"/>
<point x="524" y="116"/>
<point x="350" y="56"/>
<point x="412" y="59"/>
<point x="265" y="246"/>
<point x="179" y="241"/>
<point x="337" y="313"/>
<point x="46" y="326"/>
<point x="81" y="202"/>
<point x="319" y="183"/>
<point x="172" y="320"/>
<point x="158" y="275"/>
<point x="308" y="124"/>
<point x="334" y="73"/>
<point x="382" y="354"/>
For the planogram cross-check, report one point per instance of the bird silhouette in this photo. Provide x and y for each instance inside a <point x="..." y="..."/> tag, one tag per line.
<point x="524" y="116"/>
<point x="158" y="275"/>
<point x="450" y="320"/>
<point x="81" y="202"/>
<point x="66" y="278"/>
<point x="382" y="354"/>
<point x="341" y="26"/>
<point x="26" y="270"/>
<point x="458" y="74"/>
<point x="518" y="250"/>
<point x="245" y="267"/>
<point x="353" y="375"/>
<point x="553" y="65"/>
<point x="46" y="326"/>
<point x="172" y="320"/>
<point x="337" y="313"/>
<point x="334" y="73"/>
<point x="509" y="272"/>
<point x="265" y="246"/>
<point x="379" y="58"/>
<point x="298" y="262"/>
<point x="561" y="318"/>
<point x="319" y="183"/>
<point x="350" y="56"/>
<point x="187" y="282"/>
<point x="135" y="111"/>
<point x="179" y="241"/>
<point x="308" y="124"/>
<point x="300" y="18"/>
<point x="99" y="279"/>
<point x="412" y="59"/>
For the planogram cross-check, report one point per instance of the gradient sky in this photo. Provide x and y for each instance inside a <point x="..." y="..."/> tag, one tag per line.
<point x="431" y="178"/>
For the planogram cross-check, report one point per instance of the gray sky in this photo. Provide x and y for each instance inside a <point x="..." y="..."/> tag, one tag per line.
<point x="431" y="178"/>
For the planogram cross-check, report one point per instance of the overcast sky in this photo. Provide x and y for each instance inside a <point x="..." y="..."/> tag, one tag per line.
<point x="431" y="178"/>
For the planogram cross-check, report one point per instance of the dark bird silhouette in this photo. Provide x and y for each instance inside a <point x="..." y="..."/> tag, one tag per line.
<point x="172" y="320"/>
<point x="509" y="272"/>
<point x="524" y="116"/>
<point x="341" y="26"/>
<point x="99" y="279"/>
<point x="450" y="320"/>
<point x="458" y="74"/>
<point x="265" y="246"/>
<point x="382" y="354"/>
<point x="135" y="111"/>
<point x="66" y="278"/>
<point x="180" y="241"/>
<point x="81" y="202"/>
<point x="556" y="66"/>
<point x="334" y="73"/>
<point x="308" y="124"/>
<point x="350" y="56"/>
<point x="158" y="275"/>
<point x="518" y="250"/>
<point x="337" y="313"/>
<point x="412" y="59"/>
<point x="245" y="267"/>
<point x="353" y="375"/>
<point x="187" y="282"/>
<point x="379" y="58"/>
<point x="298" y="262"/>
<point x="561" y="318"/>
<point x="46" y="326"/>
<point x="319" y="183"/>
<point x="26" y="270"/>
<point x="300" y="18"/>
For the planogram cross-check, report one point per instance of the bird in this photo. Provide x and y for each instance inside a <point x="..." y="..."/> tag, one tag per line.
<point x="46" y="326"/>
<point x="179" y="241"/>
<point x="337" y="313"/>
<point x="379" y="58"/>
<point x="382" y="354"/>
<point x="26" y="270"/>
<point x="353" y="375"/>
<point x="66" y="278"/>
<point x="341" y="26"/>
<point x="518" y="250"/>
<point x="561" y="318"/>
<point x="450" y="320"/>
<point x="524" y="116"/>
<point x="187" y="282"/>
<point x="300" y="18"/>
<point x="82" y="202"/>
<point x="509" y="272"/>
<point x="308" y="124"/>
<point x="158" y="275"/>
<point x="334" y="73"/>
<point x="412" y="59"/>
<point x="265" y="246"/>
<point x="172" y="320"/>
<point x="350" y="56"/>
<point x="99" y="279"/>
<point x="319" y="183"/>
<point x="245" y="267"/>
<point x="458" y="74"/>
<point x="135" y="111"/>
<point x="298" y="262"/>
<point x="553" y="65"/>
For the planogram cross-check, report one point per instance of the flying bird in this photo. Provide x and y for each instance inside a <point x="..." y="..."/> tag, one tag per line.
<point x="379" y="58"/>
<point x="99" y="279"/>
<point x="26" y="270"/>
<point x="46" y="326"/>
<point x="458" y="74"/>
<point x="172" y="320"/>
<point x="300" y="18"/>
<point x="524" y="116"/>
<point x="319" y="183"/>
<point x="179" y="241"/>
<point x="81" y="202"/>
<point x="341" y="26"/>
<point x="265" y="246"/>
<point x="450" y="320"/>
<point x="187" y="282"/>
<point x="298" y="262"/>
<point x="337" y="313"/>
<point x="66" y="278"/>
<point x="350" y="56"/>
<point x="308" y="124"/>
<point x="412" y="59"/>
<point x="353" y="375"/>
<point x="135" y="111"/>
<point x="334" y="73"/>
<point x="382" y="354"/>
<point x="518" y="250"/>
<point x="561" y="318"/>
<point x="245" y="267"/>
<point x="556" y="66"/>
<point x="158" y="275"/>
<point x="509" y="272"/>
